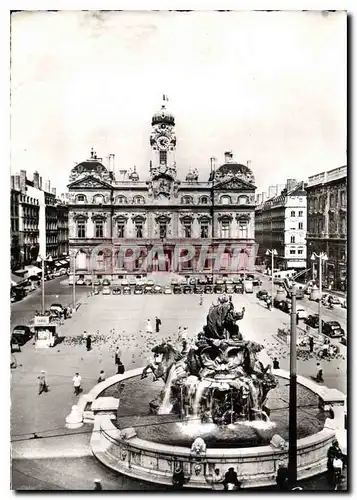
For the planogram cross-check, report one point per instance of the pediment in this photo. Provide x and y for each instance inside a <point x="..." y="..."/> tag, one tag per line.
<point x="89" y="181"/>
<point x="234" y="183"/>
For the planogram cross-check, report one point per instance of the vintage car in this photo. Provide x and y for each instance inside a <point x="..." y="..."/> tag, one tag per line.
<point x="187" y="289"/>
<point x="238" y="288"/>
<point x="199" y="288"/>
<point x="157" y="289"/>
<point x="20" y="335"/>
<point x="149" y="286"/>
<point x="177" y="289"/>
<point x="261" y="294"/>
<point x="229" y="286"/>
<point x="332" y="329"/>
<point x="116" y="290"/>
<point x="126" y="289"/>
<point x="219" y="286"/>
<point x="139" y="289"/>
<point x="208" y="288"/>
<point x="168" y="290"/>
<point x="312" y="320"/>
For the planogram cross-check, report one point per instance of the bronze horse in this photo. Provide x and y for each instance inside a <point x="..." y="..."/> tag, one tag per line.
<point x="162" y="368"/>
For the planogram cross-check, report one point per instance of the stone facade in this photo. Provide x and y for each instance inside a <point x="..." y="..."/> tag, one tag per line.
<point x="281" y="224"/>
<point x="107" y="211"/>
<point x="327" y="224"/>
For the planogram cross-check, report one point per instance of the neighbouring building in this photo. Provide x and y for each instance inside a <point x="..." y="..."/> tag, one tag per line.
<point x="109" y="208"/>
<point x="35" y="216"/>
<point x="281" y="224"/>
<point x="327" y="224"/>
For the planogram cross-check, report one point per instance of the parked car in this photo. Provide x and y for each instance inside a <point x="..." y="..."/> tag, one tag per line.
<point x="126" y="290"/>
<point x="209" y="279"/>
<point x="192" y="281"/>
<point x="219" y="286"/>
<point x="208" y="289"/>
<point x="20" y="335"/>
<point x="238" y="288"/>
<point x="312" y="320"/>
<point x="88" y="281"/>
<point x="199" y="289"/>
<point x="343" y="340"/>
<point x="261" y="294"/>
<point x="116" y="290"/>
<point x="229" y="286"/>
<point x="332" y="329"/>
<point x="177" y="289"/>
<point x="187" y="289"/>
<point x="333" y="299"/>
<point x="96" y="282"/>
<point x="157" y="289"/>
<point x="202" y="280"/>
<point x="138" y="290"/>
<point x="57" y="308"/>
<point x="80" y="281"/>
<point x="149" y="286"/>
<point x="278" y="304"/>
<point x="301" y="312"/>
<point x="248" y="286"/>
<point x="168" y="290"/>
<point x="106" y="290"/>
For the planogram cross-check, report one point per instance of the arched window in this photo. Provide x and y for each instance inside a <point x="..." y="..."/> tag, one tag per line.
<point x="120" y="200"/>
<point x="187" y="200"/>
<point x="98" y="198"/>
<point x="243" y="200"/>
<point x="138" y="200"/>
<point x="225" y="227"/>
<point x="81" y="198"/>
<point x="100" y="260"/>
<point x="226" y="200"/>
<point x="204" y="200"/>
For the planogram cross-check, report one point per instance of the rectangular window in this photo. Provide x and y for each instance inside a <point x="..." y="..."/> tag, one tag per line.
<point x="99" y="229"/>
<point x="292" y="213"/>
<point x="81" y="230"/>
<point x="120" y="230"/>
<point x="187" y="230"/>
<point x="301" y="213"/>
<point x="292" y="239"/>
<point x="243" y="231"/>
<point x="163" y="157"/>
<point x="226" y="226"/>
<point x="300" y="252"/>
<point x="292" y="252"/>
<point x="139" y="230"/>
<point x="301" y="225"/>
<point x="204" y="230"/>
<point x="163" y="230"/>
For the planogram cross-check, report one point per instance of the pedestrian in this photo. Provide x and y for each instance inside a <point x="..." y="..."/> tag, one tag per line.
<point x="276" y="364"/>
<point x="307" y="329"/>
<point x="178" y="477"/>
<point x="179" y="333"/>
<point x="97" y="485"/>
<point x="201" y="299"/>
<point x="117" y="356"/>
<point x="157" y="324"/>
<point x="77" y="380"/>
<point x="333" y="453"/>
<point x="282" y="477"/>
<point x="319" y="374"/>
<point x="148" y="327"/>
<point x="89" y="342"/>
<point x="231" y="480"/>
<point x="101" y="377"/>
<point x="184" y="334"/>
<point x="217" y="480"/>
<point x="43" y="387"/>
<point x="65" y="313"/>
<point x="120" y="368"/>
<point x="311" y="343"/>
<point x="84" y="335"/>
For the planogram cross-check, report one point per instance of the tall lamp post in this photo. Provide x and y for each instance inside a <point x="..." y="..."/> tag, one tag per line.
<point x="321" y="257"/>
<point x="43" y="260"/>
<point x="292" y="466"/>
<point x="246" y="253"/>
<point x="272" y="252"/>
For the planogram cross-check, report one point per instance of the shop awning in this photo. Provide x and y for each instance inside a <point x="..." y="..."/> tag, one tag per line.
<point x="58" y="264"/>
<point x="20" y="272"/>
<point x="33" y="270"/>
<point x="63" y="262"/>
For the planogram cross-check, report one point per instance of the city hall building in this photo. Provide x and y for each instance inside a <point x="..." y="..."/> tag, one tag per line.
<point x="115" y="213"/>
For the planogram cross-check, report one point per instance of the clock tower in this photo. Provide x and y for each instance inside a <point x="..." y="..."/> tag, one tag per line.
<point x="163" y="146"/>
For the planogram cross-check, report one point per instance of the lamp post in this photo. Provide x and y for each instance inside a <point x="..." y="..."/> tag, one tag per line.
<point x="272" y="252"/>
<point x="43" y="260"/>
<point x="292" y="466"/>
<point x="246" y="253"/>
<point x="321" y="257"/>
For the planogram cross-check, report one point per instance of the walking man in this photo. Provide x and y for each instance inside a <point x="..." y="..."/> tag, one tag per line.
<point x="319" y="375"/>
<point x="311" y="343"/>
<point x="148" y="327"/>
<point x="276" y="364"/>
<point x="42" y="383"/>
<point x="89" y="342"/>
<point x="158" y="324"/>
<point x="77" y="381"/>
<point x="101" y="377"/>
<point x="97" y="485"/>
<point x="117" y="356"/>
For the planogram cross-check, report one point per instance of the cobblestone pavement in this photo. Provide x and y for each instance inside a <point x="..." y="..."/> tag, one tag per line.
<point x="127" y="316"/>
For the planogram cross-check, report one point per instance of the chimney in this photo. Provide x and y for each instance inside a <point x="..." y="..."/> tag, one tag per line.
<point x="272" y="191"/>
<point x="23" y="180"/>
<point x="36" y="180"/>
<point x="40" y="183"/>
<point x="17" y="182"/>
<point x="264" y="195"/>
<point x="228" y="156"/>
<point x="259" y="198"/>
<point x="54" y="191"/>
<point x="113" y="162"/>
<point x="290" y="184"/>
<point x="12" y="182"/>
<point x="47" y="186"/>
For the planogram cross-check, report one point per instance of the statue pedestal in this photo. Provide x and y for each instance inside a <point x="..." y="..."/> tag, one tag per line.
<point x="75" y="419"/>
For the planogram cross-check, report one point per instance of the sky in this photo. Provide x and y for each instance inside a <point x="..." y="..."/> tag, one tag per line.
<point x="270" y="86"/>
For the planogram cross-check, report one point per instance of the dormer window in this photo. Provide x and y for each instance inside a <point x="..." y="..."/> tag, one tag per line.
<point x="81" y="198"/>
<point x="98" y="198"/>
<point x="243" y="200"/>
<point x="138" y="200"/>
<point x="226" y="200"/>
<point x="204" y="200"/>
<point x="187" y="200"/>
<point x="120" y="200"/>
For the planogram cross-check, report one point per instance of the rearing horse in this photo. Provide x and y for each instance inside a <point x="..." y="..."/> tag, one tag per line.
<point x="169" y="357"/>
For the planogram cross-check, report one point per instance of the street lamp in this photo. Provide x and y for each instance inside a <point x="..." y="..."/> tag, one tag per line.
<point x="322" y="257"/>
<point x="272" y="252"/>
<point x="43" y="260"/>
<point x="245" y="252"/>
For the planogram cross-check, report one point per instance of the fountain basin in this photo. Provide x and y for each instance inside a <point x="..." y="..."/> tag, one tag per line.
<point x="132" y="453"/>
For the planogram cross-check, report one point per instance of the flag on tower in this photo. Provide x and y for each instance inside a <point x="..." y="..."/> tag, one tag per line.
<point x="165" y="98"/>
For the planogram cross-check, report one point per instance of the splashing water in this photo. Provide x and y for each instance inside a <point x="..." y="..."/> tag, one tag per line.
<point x="166" y="406"/>
<point x="198" y="396"/>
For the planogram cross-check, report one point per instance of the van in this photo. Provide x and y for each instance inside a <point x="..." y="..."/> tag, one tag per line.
<point x="248" y="287"/>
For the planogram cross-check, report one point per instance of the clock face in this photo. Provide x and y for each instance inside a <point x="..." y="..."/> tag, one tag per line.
<point x="163" y="142"/>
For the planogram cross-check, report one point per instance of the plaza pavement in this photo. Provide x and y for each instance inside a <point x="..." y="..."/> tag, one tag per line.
<point x="127" y="315"/>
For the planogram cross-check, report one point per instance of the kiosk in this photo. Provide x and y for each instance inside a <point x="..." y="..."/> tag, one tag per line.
<point x="45" y="332"/>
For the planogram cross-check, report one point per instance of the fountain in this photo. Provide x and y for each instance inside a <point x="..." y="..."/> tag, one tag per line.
<point x="214" y="406"/>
